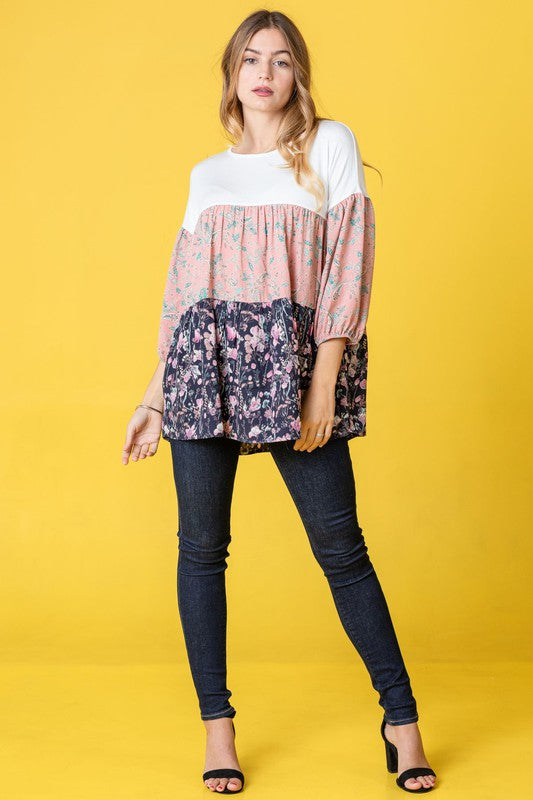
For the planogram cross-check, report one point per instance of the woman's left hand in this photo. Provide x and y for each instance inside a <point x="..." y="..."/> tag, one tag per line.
<point x="317" y="416"/>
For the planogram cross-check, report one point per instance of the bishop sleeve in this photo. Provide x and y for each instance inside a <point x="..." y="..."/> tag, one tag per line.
<point x="176" y="280"/>
<point x="349" y="245"/>
<point x="170" y="309"/>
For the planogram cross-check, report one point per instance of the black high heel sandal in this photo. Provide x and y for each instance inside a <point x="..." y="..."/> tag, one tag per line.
<point x="226" y="772"/>
<point x="391" y="752"/>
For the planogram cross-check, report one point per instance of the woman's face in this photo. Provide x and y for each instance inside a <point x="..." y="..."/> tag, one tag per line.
<point x="266" y="62"/>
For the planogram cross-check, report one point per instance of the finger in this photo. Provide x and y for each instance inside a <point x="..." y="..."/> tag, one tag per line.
<point x="311" y="431"/>
<point x="131" y="430"/>
<point x="149" y="449"/>
<point x="136" y="449"/>
<point x="152" y="448"/>
<point x="144" y="450"/>
<point x="298" y="443"/>
<point x="304" y="431"/>
<point x="316" y="439"/>
<point x="126" y="450"/>
<point x="128" y="442"/>
<point x="327" y="434"/>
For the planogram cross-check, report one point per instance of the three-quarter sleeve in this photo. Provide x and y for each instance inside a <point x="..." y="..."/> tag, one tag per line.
<point x="349" y="246"/>
<point x="177" y="278"/>
<point x="170" y="311"/>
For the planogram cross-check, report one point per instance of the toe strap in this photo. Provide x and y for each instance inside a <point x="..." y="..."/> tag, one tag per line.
<point x="226" y="772"/>
<point x="414" y="772"/>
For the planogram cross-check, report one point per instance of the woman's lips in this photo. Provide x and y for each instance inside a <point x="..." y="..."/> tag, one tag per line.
<point x="263" y="92"/>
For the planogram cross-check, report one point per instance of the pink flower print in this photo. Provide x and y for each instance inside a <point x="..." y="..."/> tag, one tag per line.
<point x="275" y="333"/>
<point x="206" y="396"/>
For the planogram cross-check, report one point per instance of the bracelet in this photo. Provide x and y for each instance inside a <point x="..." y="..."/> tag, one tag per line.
<point x="141" y="405"/>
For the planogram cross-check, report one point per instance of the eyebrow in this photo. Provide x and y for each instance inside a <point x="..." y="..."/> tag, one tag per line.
<point x="274" y="52"/>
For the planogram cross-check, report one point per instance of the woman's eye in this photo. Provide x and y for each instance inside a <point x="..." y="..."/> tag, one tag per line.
<point x="251" y="58"/>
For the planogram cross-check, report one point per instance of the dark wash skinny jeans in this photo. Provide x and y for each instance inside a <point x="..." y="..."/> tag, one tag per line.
<point x="322" y="486"/>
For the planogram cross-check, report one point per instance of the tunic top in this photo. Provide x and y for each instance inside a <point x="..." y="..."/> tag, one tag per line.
<point x="258" y="278"/>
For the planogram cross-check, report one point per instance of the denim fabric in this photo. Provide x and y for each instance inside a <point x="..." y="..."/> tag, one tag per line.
<point x="322" y="486"/>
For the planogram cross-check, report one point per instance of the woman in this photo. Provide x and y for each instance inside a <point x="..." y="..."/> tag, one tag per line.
<point x="263" y="348"/>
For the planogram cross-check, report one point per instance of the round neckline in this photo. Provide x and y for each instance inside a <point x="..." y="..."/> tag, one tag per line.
<point x="251" y="155"/>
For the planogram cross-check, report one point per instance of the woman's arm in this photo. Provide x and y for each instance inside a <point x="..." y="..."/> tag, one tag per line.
<point x="153" y="395"/>
<point x="144" y="428"/>
<point x="318" y="406"/>
<point x="328" y="362"/>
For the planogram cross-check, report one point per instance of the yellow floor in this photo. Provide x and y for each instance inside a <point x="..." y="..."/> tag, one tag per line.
<point x="134" y="733"/>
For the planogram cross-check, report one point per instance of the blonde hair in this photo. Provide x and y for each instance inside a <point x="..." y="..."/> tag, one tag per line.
<point x="299" y="123"/>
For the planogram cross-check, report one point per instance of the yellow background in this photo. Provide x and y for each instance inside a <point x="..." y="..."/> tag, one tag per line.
<point x="107" y="106"/>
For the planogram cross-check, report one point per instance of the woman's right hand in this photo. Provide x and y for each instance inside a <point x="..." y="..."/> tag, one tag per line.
<point x="142" y="435"/>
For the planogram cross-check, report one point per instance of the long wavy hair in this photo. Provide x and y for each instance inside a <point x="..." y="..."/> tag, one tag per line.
<point x="299" y="123"/>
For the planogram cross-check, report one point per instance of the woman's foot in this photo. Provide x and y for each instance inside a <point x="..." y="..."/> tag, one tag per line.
<point x="410" y="752"/>
<point x="220" y="753"/>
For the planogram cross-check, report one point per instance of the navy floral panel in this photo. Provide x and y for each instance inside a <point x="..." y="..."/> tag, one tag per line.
<point x="238" y="370"/>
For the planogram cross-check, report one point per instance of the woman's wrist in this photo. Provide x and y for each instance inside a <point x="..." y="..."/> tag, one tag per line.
<point x="153" y="395"/>
<point x="152" y="408"/>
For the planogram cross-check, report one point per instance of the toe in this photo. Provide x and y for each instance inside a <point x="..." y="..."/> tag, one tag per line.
<point x="234" y="784"/>
<point x="412" y="783"/>
<point x="425" y="780"/>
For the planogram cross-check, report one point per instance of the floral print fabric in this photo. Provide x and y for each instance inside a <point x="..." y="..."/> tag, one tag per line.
<point x="346" y="282"/>
<point x="249" y="297"/>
